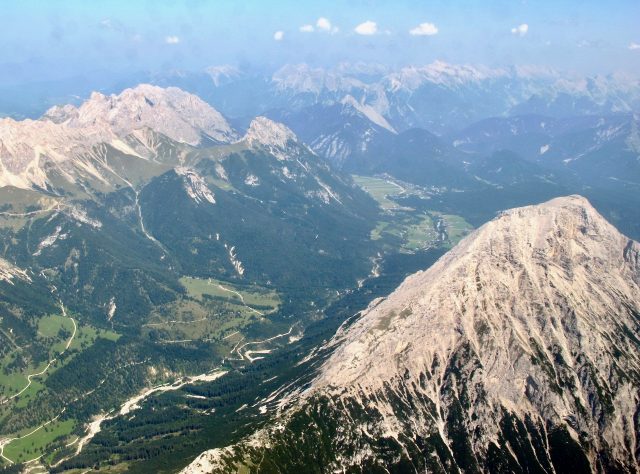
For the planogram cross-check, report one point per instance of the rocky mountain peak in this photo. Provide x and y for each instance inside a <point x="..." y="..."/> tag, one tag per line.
<point x="519" y="347"/>
<point x="266" y="132"/>
<point x="546" y="256"/>
<point x="529" y="311"/>
<point x="66" y="135"/>
<point x="181" y="116"/>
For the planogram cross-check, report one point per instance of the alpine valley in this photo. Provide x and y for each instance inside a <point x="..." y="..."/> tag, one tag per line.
<point x="497" y="358"/>
<point x="234" y="271"/>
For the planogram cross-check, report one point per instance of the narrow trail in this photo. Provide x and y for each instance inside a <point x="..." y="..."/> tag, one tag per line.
<point x="34" y="468"/>
<point x="29" y="377"/>
<point x="68" y="445"/>
<point x="129" y="405"/>
<point x="184" y="341"/>
<point x="7" y="441"/>
<point x="241" y="299"/>
<point x="174" y="321"/>
<point x="3" y="443"/>
<point x="38" y="374"/>
<point x="75" y="328"/>
<point x="247" y="354"/>
<point x="402" y="190"/>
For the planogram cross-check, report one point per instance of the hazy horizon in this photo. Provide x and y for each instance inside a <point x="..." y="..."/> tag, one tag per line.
<point x="59" y="40"/>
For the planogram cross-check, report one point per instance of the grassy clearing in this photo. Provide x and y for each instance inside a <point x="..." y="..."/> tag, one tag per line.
<point x="413" y="231"/>
<point x="11" y="382"/>
<point x="215" y="310"/>
<point x="457" y="228"/>
<point x="409" y="232"/>
<point x="61" y="328"/>
<point x="36" y="386"/>
<point x="421" y="234"/>
<point x="19" y="206"/>
<point x="87" y="335"/>
<point x="50" y="326"/>
<point x="406" y="229"/>
<point x="34" y="444"/>
<point x="192" y="320"/>
<point x="253" y="296"/>
<point x="53" y="332"/>
<point x="219" y="183"/>
<point x="380" y="190"/>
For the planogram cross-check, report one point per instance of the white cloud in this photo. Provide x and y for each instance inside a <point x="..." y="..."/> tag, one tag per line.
<point x="323" y="24"/>
<point x="278" y="35"/>
<point x="634" y="46"/>
<point x="520" y="30"/>
<point x="367" y="28"/>
<point x="424" y="29"/>
<point x="172" y="40"/>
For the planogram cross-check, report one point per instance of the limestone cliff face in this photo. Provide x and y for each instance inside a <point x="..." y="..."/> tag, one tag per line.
<point x="177" y="114"/>
<point x="68" y="142"/>
<point x="518" y="351"/>
<point x="275" y="137"/>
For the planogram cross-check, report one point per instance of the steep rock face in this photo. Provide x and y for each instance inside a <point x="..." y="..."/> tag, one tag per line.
<point x="516" y="352"/>
<point x="68" y="143"/>
<point x="8" y="272"/>
<point x="338" y="131"/>
<point x="266" y="132"/>
<point x="181" y="116"/>
<point x="275" y="137"/>
<point x="26" y="145"/>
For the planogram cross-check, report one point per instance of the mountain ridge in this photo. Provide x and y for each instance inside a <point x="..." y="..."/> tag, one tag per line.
<point x="517" y="348"/>
<point x="66" y="140"/>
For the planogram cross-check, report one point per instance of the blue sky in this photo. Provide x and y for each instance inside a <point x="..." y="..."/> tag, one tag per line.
<point x="50" y="39"/>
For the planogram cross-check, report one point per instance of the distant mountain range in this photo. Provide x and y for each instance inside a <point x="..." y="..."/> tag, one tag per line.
<point x="349" y="114"/>
<point x="440" y="97"/>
